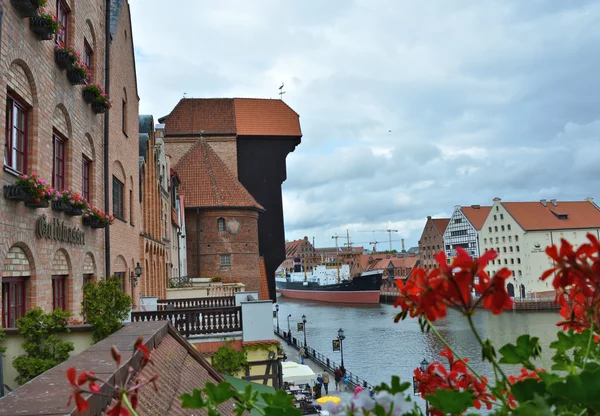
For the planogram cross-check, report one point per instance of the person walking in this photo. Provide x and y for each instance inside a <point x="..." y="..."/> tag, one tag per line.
<point x="326" y="381"/>
<point x="337" y="375"/>
<point x="319" y="386"/>
<point x="302" y="353"/>
<point x="345" y="379"/>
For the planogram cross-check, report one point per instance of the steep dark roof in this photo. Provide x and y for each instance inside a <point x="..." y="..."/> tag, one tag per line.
<point x="146" y="123"/>
<point x="143" y="144"/>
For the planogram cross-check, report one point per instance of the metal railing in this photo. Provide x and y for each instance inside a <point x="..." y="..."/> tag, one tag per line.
<point x="179" y="282"/>
<point x="196" y="321"/>
<point x="324" y="361"/>
<point x="196" y="303"/>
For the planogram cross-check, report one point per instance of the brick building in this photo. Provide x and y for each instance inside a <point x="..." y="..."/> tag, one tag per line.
<point x="152" y="244"/>
<point x="252" y="137"/>
<point x="432" y="241"/>
<point x="123" y="145"/>
<point x="53" y="132"/>
<point x="221" y="218"/>
<point x="302" y="249"/>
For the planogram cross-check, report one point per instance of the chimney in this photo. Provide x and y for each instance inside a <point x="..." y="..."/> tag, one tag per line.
<point x="543" y="202"/>
<point x="475" y="206"/>
<point x="403" y="250"/>
<point x="553" y="202"/>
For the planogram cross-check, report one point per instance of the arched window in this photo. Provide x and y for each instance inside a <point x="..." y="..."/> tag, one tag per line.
<point x="221" y="224"/>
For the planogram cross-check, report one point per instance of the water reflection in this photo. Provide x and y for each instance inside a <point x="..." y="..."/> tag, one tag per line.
<point x="375" y="348"/>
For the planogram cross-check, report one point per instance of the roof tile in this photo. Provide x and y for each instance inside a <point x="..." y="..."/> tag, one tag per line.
<point x="207" y="183"/>
<point x="535" y="216"/>
<point x="476" y="214"/>
<point x="441" y="224"/>
<point x="261" y="117"/>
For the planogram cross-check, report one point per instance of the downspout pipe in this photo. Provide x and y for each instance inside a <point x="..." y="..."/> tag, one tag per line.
<point x="106" y="137"/>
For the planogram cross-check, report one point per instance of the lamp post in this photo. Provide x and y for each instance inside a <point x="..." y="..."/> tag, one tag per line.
<point x="289" y="327"/>
<point x="304" y="328"/>
<point x="341" y="337"/>
<point x="277" y="314"/>
<point x="423" y="367"/>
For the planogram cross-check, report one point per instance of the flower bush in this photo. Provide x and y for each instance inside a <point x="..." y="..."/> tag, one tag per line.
<point x="97" y="214"/>
<point x="72" y="198"/>
<point x="39" y="189"/>
<point x="101" y="96"/>
<point x="569" y="386"/>
<point x="50" y="18"/>
<point x="79" y="66"/>
<point x="71" y="53"/>
<point x="216" y="279"/>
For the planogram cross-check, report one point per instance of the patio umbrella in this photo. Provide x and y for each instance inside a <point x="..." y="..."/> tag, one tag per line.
<point x="326" y="399"/>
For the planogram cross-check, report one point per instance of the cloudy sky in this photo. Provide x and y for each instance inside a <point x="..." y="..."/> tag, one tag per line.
<point x="407" y="107"/>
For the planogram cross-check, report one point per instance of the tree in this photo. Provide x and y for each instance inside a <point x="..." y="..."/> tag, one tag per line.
<point x="105" y="306"/>
<point x="44" y="349"/>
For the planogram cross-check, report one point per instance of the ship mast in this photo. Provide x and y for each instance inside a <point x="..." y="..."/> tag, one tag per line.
<point x="337" y="257"/>
<point x="304" y="267"/>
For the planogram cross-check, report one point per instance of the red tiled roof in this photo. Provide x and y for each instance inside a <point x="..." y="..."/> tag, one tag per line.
<point x="207" y="183"/>
<point x="441" y="224"/>
<point x="201" y="116"/>
<point x="535" y="216"/>
<point x="292" y="247"/>
<point x="241" y="116"/>
<point x="260" y="117"/>
<point x="181" y="371"/>
<point x="476" y="214"/>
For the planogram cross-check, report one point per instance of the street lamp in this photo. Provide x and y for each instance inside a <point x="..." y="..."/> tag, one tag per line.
<point x="277" y="313"/>
<point x="304" y="328"/>
<point x="423" y="367"/>
<point x="289" y="327"/>
<point x="341" y="337"/>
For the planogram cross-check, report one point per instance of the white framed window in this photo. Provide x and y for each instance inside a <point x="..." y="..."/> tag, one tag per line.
<point x="225" y="259"/>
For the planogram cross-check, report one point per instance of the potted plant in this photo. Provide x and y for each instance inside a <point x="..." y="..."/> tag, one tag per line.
<point x="96" y="218"/>
<point x="79" y="74"/>
<point x="91" y="93"/>
<point x="64" y="56"/>
<point x="37" y="193"/>
<point x="69" y="202"/>
<point x="45" y="24"/>
<point x="102" y="104"/>
<point x="27" y="8"/>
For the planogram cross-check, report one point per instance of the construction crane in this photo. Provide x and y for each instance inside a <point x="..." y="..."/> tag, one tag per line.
<point x="382" y="231"/>
<point x="374" y="245"/>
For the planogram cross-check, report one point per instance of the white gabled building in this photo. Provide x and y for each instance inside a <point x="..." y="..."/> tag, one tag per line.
<point x="521" y="231"/>
<point x="463" y="229"/>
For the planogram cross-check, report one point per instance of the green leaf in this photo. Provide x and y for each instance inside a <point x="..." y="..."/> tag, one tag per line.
<point x="526" y="390"/>
<point x="563" y="344"/>
<point x="451" y="401"/>
<point x="192" y="401"/>
<point x="527" y="347"/>
<point x="582" y="389"/>
<point x="279" y="403"/>
<point x="487" y="351"/>
<point x="219" y="393"/>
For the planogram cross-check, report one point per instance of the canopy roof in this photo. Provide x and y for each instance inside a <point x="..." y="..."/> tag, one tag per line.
<point x="297" y="373"/>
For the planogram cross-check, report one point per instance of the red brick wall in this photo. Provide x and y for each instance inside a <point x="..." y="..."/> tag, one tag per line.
<point x="28" y="69"/>
<point x="123" y="152"/>
<point x="430" y="244"/>
<point x="243" y="247"/>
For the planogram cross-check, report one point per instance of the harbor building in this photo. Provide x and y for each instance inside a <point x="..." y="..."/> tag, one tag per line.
<point x="252" y="138"/>
<point x="463" y="229"/>
<point x="432" y="241"/>
<point x="521" y="231"/>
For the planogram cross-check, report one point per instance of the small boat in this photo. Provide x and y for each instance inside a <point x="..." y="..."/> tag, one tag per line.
<point x="328" y="283"/>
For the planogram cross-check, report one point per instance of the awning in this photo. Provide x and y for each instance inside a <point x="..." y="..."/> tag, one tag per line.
<point x="297" y="373"/>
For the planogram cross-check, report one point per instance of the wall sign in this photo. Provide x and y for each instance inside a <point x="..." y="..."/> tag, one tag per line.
<point x="56" y="229"/>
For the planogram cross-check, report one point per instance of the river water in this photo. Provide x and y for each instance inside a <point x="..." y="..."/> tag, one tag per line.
<point x="376" y="348"/>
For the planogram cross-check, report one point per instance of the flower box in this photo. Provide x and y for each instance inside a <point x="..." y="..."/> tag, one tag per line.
<point x="75" y="76"/>
<point x="63" y="59"/>
<point x="14" y="192"/>
<point x="74" y="212"/>
<point x="89" y="96"/>
<point x="60" y="206"/>
<point x="25" y="8"/>
<point x="33" y="203"/>
<point x="41" y="28"/>
<point x="93" y="222"/>
<point x="98" y="107"/>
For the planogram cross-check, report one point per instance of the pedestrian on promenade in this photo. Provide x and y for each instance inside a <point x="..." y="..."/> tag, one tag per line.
<point x="320" y="382"/>
<point x="357" y="390"/>
<point x="345" y="379"/>
<point x="326" y="381"/>
<point x="337" y="375"/>
<point x="302" y="353"/>
<point x="289" y="337"/>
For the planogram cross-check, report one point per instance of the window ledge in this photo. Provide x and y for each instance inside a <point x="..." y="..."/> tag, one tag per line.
<point x="12" y="171"/>
<point x="120" y="218"/>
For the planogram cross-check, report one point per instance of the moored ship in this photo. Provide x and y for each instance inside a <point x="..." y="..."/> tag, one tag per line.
<point x="330" y="284"/>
